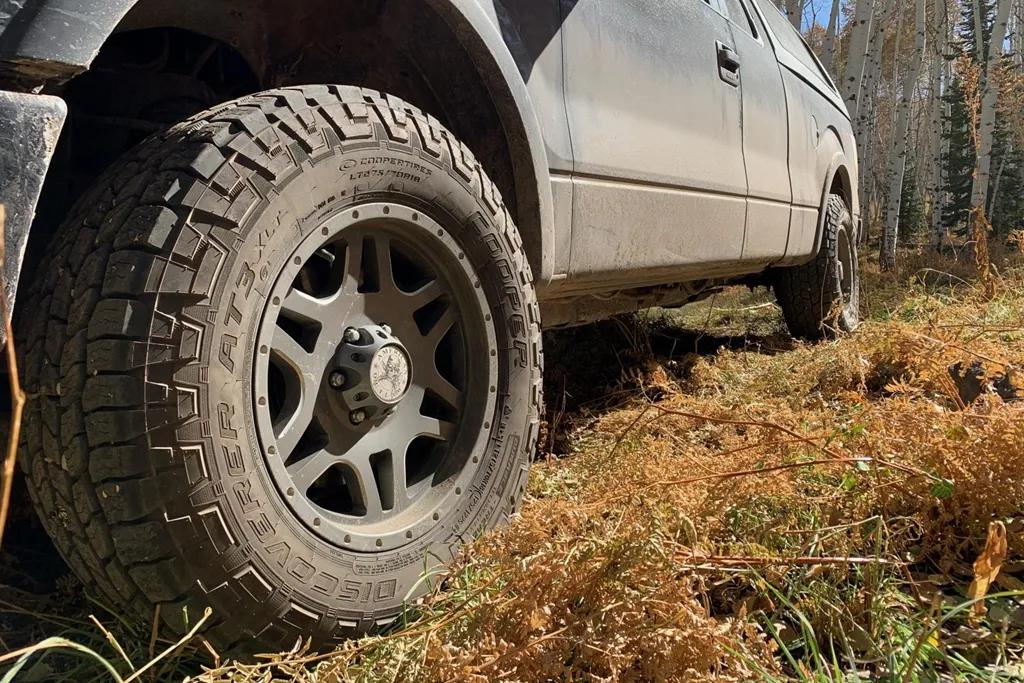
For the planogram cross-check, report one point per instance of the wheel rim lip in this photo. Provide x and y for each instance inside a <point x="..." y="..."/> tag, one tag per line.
<point x="430" y="240"/>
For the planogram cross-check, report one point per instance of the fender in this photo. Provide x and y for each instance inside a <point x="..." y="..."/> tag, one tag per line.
<point x="57" y="39"/>
<point x="842" y="169"/>
<point x="836" y="165"/>
<point x="482" y="39"/>
<point x="54" y="40"/>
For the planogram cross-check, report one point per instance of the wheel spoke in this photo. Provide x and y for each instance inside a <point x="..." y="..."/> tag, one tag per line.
<point x="306" y="370"/>
<point x="400" y="494"/>
<point x="287" y="349"/>
<point x="305" y="472"/>
<point x="303" y="306"/>
<point x="385" y="272"/>
<point x="427" y="377"/>
<point x="359" y="462"/>
<point x="290" y="430"/>
<point x="353" y="274"/>
<point x="408" y="424"/>
<point x="440" y="328"/>
<point x="440" y="430"/>
<point x="440" y="387"/>
<point x="413" y="492"/>
<point x="427" y="294"/>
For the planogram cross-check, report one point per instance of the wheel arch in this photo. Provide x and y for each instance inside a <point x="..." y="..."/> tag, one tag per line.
<point x="838" y="179"/>
<point x="51" y="41"/>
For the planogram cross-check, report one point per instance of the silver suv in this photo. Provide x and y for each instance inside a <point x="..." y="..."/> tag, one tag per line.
<point x="284" y="352"/>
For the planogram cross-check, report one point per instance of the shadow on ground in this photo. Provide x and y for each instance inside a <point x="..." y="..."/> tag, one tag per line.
<point x="594" y="369"/>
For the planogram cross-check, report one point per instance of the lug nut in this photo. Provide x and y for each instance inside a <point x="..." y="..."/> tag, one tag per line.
<point x="351" y="335"/>
<point x="337" y="379"/>
<point x="358" y="417"/>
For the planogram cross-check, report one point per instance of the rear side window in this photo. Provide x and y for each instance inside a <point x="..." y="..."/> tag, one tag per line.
<point x="790" y="40"/>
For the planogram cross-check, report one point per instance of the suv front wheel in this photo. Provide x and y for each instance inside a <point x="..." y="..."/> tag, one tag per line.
<point x="284" y="360"/>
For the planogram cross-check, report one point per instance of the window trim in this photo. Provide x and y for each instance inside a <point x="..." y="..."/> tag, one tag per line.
<point x="751" y="28"/>
<point x="820" y="81"/>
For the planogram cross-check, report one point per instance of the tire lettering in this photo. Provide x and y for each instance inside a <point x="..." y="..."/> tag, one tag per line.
<point x="262" y="527"/>
<point x="234" y="460"/>
<point x="302" y="570"/>
<point x="224" y="414"/>
<point x="243" y="492"/>
<point x="228" y="344"/>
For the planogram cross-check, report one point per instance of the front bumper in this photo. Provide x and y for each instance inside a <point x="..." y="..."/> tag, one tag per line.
<point x="29" y="128"/>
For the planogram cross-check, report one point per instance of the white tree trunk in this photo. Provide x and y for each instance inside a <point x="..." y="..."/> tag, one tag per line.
<point x="940" y="143"/>
<point x="860" y="42"/>
<point x="863" y="123"/>
<point x="979" y="43"/>
<point x="995" y="186"/>
<point x="795" y="10"/>
<point x="989" y="100"/>
<point x="898" y="158"/>
<point x="1016" y="15"/>
<point x="828" y="59"/>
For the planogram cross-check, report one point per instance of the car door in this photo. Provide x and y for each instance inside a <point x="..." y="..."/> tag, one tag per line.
<point x="765" y="137"/>
<point x="814" y="104"/>
<point x="654" y="107"/>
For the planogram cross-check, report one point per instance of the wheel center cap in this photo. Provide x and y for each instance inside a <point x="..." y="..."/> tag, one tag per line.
<point x="390" y="374"/>
<point x="372" y="373"/>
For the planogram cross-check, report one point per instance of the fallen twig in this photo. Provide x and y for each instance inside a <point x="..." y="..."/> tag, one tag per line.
<point x="113" y="641"/>
<point x="764" y="424"/>
<point x="762" y="470"/>
<point x="810" y="561"/>
<point x="17" y="396"/>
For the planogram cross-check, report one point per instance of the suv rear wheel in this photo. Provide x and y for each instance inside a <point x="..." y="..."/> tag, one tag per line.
<point x="821" y="299"/>
<point x="285" y="359"/>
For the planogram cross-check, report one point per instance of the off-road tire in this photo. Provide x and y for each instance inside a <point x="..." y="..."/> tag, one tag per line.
<point x="811" y="295"/>
<point x="139" y="447"/>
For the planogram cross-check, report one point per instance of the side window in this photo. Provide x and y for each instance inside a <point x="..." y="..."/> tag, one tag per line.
<point x="740" y="15"/>
<point x="791" y="41"/>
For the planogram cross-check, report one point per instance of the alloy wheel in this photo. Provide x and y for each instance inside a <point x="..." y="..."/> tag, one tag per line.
<point x="375" y="371"/>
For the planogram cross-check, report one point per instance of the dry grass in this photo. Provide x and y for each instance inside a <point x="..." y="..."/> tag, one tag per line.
<point x="719" y="503"/>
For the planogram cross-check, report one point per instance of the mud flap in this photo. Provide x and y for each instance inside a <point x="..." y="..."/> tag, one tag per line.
<point x="29" y="128"/>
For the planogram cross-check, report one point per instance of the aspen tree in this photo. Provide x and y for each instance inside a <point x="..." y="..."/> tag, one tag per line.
<point x="828" y="57"/>
<point x="897" y="162"/>
<point x="989" y="100"/>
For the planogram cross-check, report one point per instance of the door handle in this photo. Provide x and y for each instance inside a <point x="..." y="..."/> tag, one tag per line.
<point x="728" y="64"/>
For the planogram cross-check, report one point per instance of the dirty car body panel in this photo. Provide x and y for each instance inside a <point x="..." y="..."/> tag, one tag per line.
<point x="659" y="181"/>
<point x="643" y="155"/>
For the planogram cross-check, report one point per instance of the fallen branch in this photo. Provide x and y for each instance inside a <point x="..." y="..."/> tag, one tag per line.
<point x="762" y="470"/>
<point x="810" y="561"/>
<point x="17" y="396"/>
<point x="961" y="349"/>
<point x="764" y="424"/>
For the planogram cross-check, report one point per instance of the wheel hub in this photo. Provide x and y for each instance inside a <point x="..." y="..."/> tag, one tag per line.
<point x="372" y="373"/>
